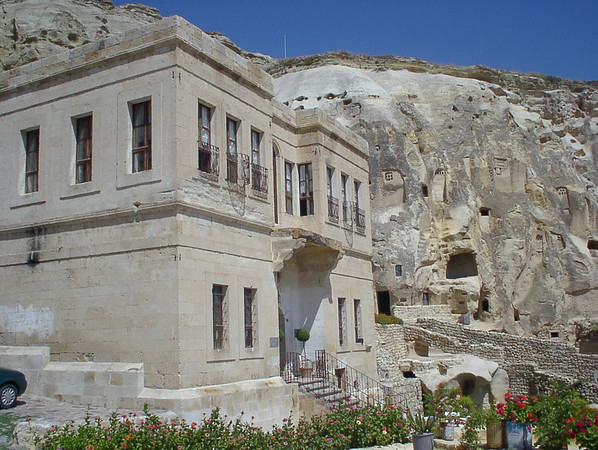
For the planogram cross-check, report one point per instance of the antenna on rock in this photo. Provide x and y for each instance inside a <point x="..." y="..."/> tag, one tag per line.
<point x="285" y="45"/>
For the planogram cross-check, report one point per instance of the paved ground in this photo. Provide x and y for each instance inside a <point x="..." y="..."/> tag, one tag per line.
<point x="51" y="412"/>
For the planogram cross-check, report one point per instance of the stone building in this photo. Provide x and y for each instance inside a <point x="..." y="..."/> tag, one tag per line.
<point x="165" y="219"/>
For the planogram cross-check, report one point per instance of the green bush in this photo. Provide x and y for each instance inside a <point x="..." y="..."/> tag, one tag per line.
<point x="342" y="427"/>
<point x="385" y="319"/>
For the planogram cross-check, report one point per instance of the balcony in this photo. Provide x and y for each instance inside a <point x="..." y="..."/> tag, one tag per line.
<point x="347" y="216"/>
<point x="259" y="180"/>
<point x="237" y="169"/>
<point x="207" y="159"/>
<point x="359" y="215"/>
<point x="333" y="209"/>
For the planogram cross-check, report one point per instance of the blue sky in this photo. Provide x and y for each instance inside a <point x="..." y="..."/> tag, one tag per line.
<point x="553" y="37"/>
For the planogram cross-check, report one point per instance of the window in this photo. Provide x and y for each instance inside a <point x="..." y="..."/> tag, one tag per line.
<point x="398" y="270"/>
<point x="332" y="201"/>
<point x="256" y="138"/>
<point x="249" y="307"/>
<point x="32" y="161"/>
<point x="207" y="160"/>
<point x="288" y="187"/>
<point x="306" y="190"/>
<point x="218" y="310"/>
<point x="357" y="320"/>
<point x="425" y="299"/>
<point x="424" y="190"/>
<point x="259" y="174"/>
<point x="359" y="213"/>
<point x="345" y="198"/>
<point x="83" y="133"/>
<point x="231" y="150"/>
<point x="142" y="136"/>
<point x="342" y="321"/>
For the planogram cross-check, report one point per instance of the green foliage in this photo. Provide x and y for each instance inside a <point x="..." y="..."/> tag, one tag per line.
<point x="385" y="319"/>
<point x="8" y="422"/>
<point x="476" y="421"/>
<point x="303" y="335"/>
<point x="341" y="428"/>
<point x="585" y="430"/>
<point x="420" y="423"/>
<point x="447" y="404"/>
<point x="557" y="413"/>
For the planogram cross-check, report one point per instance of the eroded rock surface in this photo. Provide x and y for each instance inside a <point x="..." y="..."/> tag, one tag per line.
<point x="483" y="193"/>
<point x="33" y="29"/>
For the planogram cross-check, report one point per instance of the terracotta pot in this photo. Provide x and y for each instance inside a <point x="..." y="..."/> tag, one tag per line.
<point x="305" y="372"/>
<point x="495" y="432"/>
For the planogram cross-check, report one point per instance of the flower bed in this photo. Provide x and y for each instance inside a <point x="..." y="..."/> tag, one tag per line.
<point x="341" y="428"/>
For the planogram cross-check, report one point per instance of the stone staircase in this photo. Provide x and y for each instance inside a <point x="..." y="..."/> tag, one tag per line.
<point x="331" y="381"/>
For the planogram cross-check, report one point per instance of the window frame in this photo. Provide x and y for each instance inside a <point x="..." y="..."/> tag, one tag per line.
<point x="31" y="164"/>
<point x="143" y="151"/>
<point x="249" y="317"/>
<point x="288" y="186"/>
<point x="85" y="162"/>
<point x="357" y="321"/>
<point x="342" y="321"/>
<point x="232" y="143"/>
<point x="219" y="297"/>
<point x="306" y="189"/>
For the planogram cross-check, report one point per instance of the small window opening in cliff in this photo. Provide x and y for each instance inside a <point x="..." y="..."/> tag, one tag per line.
<point x="425" y="299"/>
<point x="408" y="374"/>
<point x="383" y="302"/>
<point x="485" y="306"/>
<point x="554" y="334"/>
<point x="516" y="315"/>
<point x="388" y="176"/>
<point x="398" y="270"/>
<point x="461" y="265"/>
<point x="425" y="190"/>
<point x="592" y="244"/>
<point x="484" y="212"/>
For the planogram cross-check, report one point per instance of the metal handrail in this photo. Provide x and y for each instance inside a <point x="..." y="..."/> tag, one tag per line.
<point x="332" y="208"/>
<point x="329" y="371"/>
<point x="259" y="178"/>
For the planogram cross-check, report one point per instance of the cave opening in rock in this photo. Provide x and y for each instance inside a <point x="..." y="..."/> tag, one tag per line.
<point x="592" y="245"/>
<point x="383" y="302"/>
<point x="461" y="266"/>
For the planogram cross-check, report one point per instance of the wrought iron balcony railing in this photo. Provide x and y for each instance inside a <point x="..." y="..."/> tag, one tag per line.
<point x="347" y="216"/>
<point x="207" y="158"/>
<point x="333" y="209"/>
<point x="237" y="169"/>
<point x="259" y="179"/>
<point x="359" y="218"/>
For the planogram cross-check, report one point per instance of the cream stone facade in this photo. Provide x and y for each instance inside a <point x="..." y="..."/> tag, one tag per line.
<point x="160" y="209"/>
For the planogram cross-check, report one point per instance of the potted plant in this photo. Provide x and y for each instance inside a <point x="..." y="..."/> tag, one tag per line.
<point x="559" y="412"/>
<point x="422" y="428"/>
<point x="305" y="367"/>
<point x="519" y="415"/>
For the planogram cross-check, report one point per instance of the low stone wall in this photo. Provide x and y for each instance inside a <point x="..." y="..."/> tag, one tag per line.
<point x="392" y="347"/>
<point x="556" y="357"/>
<point x="410" y="314"/>
<point x="450" y="344"/>
<point x="121" y="386"/>
<point x="532" y="363"/>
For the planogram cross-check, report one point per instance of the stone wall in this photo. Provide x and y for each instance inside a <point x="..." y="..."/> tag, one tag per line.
<point x="532" y="363"/>
<point x="392" y="347"/>
<point x="121" y="386"/>
<point x="410" y="314"/>
<point x="543" y="354"/>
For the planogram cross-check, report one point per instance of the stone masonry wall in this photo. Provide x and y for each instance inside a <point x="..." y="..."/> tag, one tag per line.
<point x="556" y="357"/>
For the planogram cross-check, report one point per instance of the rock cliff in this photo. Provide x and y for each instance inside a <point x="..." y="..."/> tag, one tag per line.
<point x="483" y="182"/>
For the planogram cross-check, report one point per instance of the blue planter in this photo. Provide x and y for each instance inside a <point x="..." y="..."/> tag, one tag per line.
<point x="519" y="436"/>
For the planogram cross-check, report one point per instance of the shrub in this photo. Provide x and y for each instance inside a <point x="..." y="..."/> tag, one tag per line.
<point x="385" y="319"/>
<point x="342" y="427"/>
